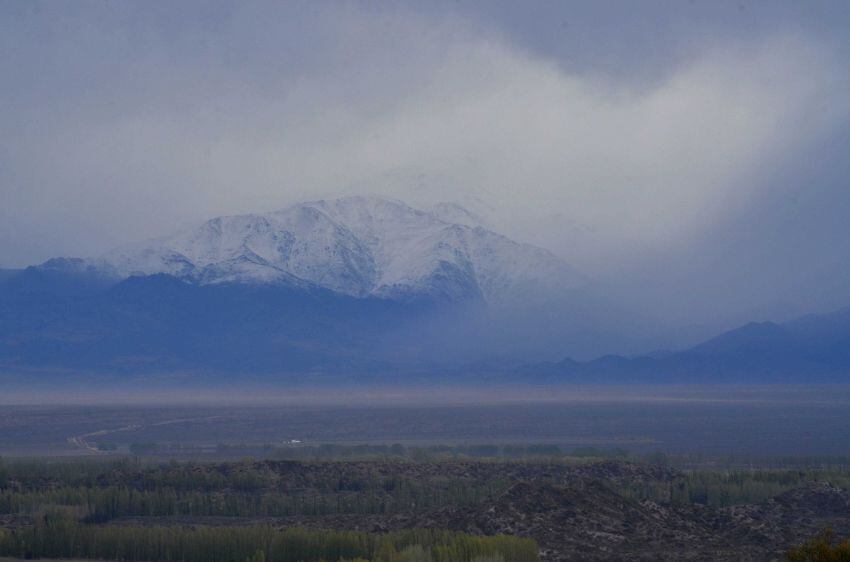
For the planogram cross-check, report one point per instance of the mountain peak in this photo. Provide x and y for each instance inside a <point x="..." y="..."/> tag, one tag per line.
<point x="357" y="245"/>
<point x="457" y="214"/>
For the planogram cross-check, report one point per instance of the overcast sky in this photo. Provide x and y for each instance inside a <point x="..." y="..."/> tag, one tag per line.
<point x="691" y="154"/>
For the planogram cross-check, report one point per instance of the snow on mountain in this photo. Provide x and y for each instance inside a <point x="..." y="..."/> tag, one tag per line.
<point x="358" y="246"/>
<point x="455" y="214"/>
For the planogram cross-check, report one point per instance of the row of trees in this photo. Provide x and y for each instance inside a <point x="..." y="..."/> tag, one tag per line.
<point x="248" y="489"/>
<point x="58" y="536"/>
<point x="279" y="489"/>
<point x="104" y="504"/>
<point x="246" y="476"/>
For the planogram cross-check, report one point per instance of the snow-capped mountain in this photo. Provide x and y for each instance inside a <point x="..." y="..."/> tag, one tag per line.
<point x="357" y="246"/>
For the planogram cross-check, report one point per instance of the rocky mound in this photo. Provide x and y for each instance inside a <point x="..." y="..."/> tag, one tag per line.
<point x="573" y="512"/>
<point x="590" y="521"/>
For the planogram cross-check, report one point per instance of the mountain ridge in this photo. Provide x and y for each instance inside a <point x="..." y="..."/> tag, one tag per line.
<point x="812" y="348"/>
<point x="358" y="246"/>
<point x="361" y="287"/>
<point x="357" y="285"/>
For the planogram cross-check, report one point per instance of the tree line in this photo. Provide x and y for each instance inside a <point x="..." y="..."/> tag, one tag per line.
<point x="56" y="535"/>
<point x="104" y="504"/>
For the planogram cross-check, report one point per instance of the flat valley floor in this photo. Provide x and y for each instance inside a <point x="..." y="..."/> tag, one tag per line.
<point x="751" y="422"/>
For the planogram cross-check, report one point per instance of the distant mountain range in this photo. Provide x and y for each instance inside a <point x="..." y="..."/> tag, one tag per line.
<point x="354" y="289"/>
<point x="812" y="349"/>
